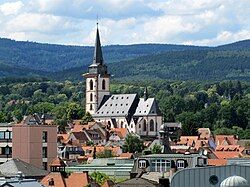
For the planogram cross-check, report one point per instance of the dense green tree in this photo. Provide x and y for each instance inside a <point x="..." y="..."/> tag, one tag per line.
<point x="132" y="144"/>
<point x="156" y="149"/>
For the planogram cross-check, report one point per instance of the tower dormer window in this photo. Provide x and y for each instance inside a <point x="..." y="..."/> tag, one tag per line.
<point x="91" y="85"/>
<point x="103" y="84"/>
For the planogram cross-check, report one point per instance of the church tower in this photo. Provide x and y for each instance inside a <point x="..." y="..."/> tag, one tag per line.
<point x="97" y="79"/>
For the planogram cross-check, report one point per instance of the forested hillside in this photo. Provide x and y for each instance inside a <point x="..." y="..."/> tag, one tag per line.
<point x="51" y="58"/>
<point x="177" y="65"/>
<point x="127" y="62"/>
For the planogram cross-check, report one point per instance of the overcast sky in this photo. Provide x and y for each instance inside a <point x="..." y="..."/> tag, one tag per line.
<point x="195" y="22"/>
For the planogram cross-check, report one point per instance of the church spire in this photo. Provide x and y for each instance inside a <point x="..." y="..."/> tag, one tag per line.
<point x="98" y="59"/>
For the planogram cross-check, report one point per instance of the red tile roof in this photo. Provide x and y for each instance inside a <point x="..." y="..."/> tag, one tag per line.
<point x="227" y="154"/>
<point x="226" y="140"/>
<point x="217" y="162"/>
<point x="121" y="132"/>
<point x="73" y="180"/>
<point x="57" y="162"/>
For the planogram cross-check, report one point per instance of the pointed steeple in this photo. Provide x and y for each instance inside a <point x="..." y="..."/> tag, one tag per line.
<point x="98" y="59"/>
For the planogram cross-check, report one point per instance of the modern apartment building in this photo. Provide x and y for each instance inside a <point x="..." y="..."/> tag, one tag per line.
<point x="34" y="141"/>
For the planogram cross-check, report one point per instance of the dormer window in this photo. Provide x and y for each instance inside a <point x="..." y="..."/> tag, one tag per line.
<point x="142" y="164"/>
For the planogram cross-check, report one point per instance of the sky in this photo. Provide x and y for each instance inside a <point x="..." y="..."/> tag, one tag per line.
<point x="73" y="22"/>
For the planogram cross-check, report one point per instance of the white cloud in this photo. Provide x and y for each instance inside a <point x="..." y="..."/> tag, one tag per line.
<point x="11" y="7"/>
<point x="222" y="38"/>
<point x="203" y="22"/>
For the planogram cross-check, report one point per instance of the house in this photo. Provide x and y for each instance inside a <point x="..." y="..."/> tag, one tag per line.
<point x="14" y="167"/>
<point x="138" y="115"/>
<point x="118" y="134"/>
<point x="226" y="140"/>
<point x="163" y="163"/>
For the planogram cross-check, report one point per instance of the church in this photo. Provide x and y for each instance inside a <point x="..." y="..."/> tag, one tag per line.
<point x="139" y="115"/>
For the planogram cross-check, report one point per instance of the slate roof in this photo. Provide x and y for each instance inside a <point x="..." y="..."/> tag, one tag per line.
<point x="13" y="166"/>
<point x="147" y="107"/>
<point x="117" y="105"/>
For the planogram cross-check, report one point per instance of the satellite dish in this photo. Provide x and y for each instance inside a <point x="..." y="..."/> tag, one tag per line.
<point x="205" y="152"/>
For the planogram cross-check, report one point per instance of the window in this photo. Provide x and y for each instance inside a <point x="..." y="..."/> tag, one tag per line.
<point x="44" y="152"/>
<point x="144" y="125"/>
<point x="213" y="180"/>
<point x="5" y="135"/>
<point x="122" y="124"/>
<point x="142" y="164"/>
<point x="103" y="84"/>
<point x="45" y="165"/>
<point x="160" y="165"/>
<point x="91" y="85"/>
<point x="91" y="107"/>
<point x="151" y="125"/>
<point x="8" y="150"/>
<point x="45" y="136"/>
<point x="91" y="97"/>
<point x="180" y="164"/>
<point x="1" y="135"/>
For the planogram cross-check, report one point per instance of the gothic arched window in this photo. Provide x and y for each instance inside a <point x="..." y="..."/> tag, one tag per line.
<point x="144" y="125"/>
<point x="91" y="85"/>
<point x="91" y="97"/>
<point x="91" y="107"/>
<point x="151" y="125"/>
<point x="103" y="84"/>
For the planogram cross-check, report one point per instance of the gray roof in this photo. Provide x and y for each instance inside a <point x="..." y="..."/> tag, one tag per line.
<point x="13" y="166"/>
<point x="147" y="107"/>
<point x="20" y="183"/>
<point x="138" y="182"/>
<point x="6" y="124"/>
<point x="174" y="155"/>
<point x="116" y="105"/>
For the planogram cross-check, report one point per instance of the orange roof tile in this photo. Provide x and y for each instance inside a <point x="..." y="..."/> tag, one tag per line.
<point x="77" y="179"/>
<point x="121" y="132"/>
<point x="64" y="137"/>
<point x="126" y="155"/>
<point x="217" y="162"/>
<point x="99" y="149"/>
<point x="187" y="140"/>
<point x="227" y="154"/>
<point x="57" y="162"/>
<point x="56" y="177"/>
<point x="226" y="140"/>
<point x="73" y="180"/>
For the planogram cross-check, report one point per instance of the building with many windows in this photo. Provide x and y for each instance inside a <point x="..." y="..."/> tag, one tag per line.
<point x="34" y="142"/>
<point x="5" y="142"/>
<point x="138" y="115"/>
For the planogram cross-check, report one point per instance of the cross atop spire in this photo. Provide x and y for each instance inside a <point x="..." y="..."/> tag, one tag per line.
<point x="98" y="59"/>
